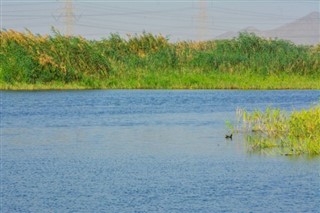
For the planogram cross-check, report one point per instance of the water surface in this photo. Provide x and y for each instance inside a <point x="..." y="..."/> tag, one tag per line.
<point x="146" y="151"/>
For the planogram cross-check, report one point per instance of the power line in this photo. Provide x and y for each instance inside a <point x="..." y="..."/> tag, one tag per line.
<point x="128" y="19"/>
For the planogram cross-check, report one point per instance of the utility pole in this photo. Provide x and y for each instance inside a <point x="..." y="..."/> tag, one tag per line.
<point x="68" y="17"/>
<point x="202" y="20"/>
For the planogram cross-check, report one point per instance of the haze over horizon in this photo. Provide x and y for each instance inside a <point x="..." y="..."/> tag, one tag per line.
<point x="180" y="20"/>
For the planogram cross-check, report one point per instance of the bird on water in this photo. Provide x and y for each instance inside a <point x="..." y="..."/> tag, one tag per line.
<point x="229" y="136"/>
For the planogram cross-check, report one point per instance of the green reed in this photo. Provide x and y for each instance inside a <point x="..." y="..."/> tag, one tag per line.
<point x="153" y="61"/>
<point x="293" y="133"/>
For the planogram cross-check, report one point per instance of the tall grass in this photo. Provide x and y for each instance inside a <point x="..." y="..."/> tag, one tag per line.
<point x="294" y="133"/>
<point x="30" y="58"/>
<point x="35" y="59"/>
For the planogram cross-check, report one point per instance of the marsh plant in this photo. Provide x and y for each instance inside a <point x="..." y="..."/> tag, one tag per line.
<point x="152" y="61"/>
<point x="292" y="133"/>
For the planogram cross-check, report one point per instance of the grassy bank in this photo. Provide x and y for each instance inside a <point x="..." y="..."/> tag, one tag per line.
<point x="292" y="133"/>
<point x="176" y="80"/>
<point x="150" y="61"/>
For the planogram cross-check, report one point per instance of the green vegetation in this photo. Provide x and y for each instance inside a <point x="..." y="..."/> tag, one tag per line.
<point x="31" y="61"/>
<point x="293" y="133"/>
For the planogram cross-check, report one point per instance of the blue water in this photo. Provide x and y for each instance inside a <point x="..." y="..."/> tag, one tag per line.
<point x="146" y="151"/>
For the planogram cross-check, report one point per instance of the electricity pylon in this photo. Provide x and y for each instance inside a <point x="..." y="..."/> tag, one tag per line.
<point x="68" y="17"/>
<point x="202" y="20"/>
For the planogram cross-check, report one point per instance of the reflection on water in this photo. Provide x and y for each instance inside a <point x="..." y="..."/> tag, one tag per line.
<point x="146" y="151"/>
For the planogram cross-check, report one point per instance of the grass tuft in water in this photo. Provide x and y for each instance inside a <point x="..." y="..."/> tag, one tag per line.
<point x="294" y="133"/>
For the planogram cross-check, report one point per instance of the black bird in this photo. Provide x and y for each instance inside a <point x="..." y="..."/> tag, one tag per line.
<point x="229" y="136"/>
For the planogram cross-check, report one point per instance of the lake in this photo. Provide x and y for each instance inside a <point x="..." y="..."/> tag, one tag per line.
<point x="147" y="151"/>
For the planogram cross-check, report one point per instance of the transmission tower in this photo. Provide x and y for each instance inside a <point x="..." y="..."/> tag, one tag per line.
<point x="68" y="17"/>
<point x="202" y="20"/>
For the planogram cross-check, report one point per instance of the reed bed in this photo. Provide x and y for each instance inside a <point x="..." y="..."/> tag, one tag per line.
<point x="292" y="133"/>
<point x="148" y="60"/>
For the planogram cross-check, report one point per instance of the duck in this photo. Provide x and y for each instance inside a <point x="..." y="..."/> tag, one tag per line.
<point x="229" y="136"/>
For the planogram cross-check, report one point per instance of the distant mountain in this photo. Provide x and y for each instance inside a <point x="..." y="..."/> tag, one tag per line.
<point x="305" y="30"/>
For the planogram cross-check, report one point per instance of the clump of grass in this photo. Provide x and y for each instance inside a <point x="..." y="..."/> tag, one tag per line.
<point x="293" y="133"/>
<point x="29" y="58"/>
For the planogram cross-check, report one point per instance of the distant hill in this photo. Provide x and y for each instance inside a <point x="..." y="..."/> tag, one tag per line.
<point x="305" y="30"/>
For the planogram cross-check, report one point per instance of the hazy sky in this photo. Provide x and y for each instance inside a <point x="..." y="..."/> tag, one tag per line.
<point x="180" y="20"/>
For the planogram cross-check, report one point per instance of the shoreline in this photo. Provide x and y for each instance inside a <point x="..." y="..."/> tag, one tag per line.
<point x="175" y="82"/>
